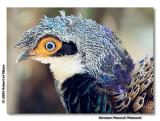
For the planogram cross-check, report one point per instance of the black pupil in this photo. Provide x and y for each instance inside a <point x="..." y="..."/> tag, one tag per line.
<point x="50" y="45"/>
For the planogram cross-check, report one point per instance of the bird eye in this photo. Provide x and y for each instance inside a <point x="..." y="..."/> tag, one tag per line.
<point x="50" y="45"/>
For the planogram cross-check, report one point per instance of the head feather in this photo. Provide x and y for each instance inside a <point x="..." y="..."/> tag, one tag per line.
<point x="101" y="50"/>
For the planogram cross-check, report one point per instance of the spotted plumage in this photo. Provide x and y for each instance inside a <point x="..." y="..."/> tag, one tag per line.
<point x="93" y="72"/>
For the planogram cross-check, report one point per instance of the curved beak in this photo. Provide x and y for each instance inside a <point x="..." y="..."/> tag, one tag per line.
<point x="22" y="56"/>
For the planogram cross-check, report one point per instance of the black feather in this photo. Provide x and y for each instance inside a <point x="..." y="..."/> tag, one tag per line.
<point x="80" y="95"/>
<point x="67" y="49"/>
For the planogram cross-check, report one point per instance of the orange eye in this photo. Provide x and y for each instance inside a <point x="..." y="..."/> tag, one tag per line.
<point x="48" y="46"/>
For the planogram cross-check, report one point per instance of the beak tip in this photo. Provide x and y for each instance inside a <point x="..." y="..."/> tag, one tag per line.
<point x="17" y="60"/>
<point x="22" y="56"/>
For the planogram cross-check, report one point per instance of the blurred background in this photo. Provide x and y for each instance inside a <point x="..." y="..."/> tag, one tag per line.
<point x="30" y="87"/>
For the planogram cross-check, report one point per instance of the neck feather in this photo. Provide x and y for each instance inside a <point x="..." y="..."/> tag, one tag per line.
<point x="65" y="67"/>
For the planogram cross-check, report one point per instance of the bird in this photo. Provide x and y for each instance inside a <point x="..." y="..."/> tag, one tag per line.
<point x="92" y="70"/>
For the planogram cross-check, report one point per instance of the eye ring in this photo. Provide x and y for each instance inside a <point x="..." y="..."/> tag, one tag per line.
<point x="50" y="45"/>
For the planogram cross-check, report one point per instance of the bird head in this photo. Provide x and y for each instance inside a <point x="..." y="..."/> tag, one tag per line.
<point x="81" y="44"/>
